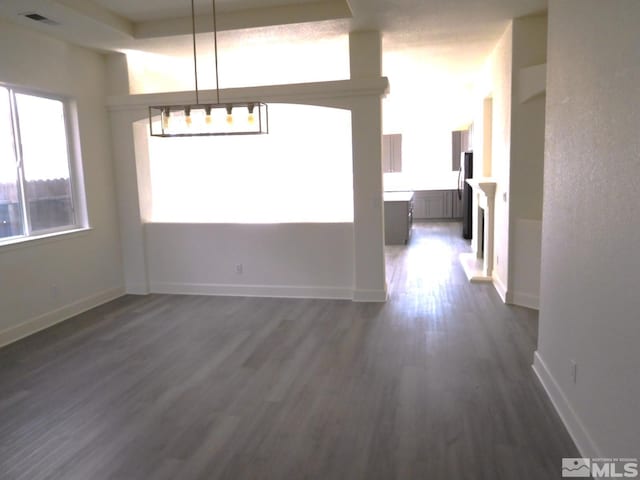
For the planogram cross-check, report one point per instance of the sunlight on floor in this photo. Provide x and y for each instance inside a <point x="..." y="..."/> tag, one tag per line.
<point x="426" y="274"/>
<point x="429" y="262"/>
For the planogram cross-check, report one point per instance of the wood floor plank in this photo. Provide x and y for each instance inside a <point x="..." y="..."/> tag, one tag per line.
<point x="436" y="383"/>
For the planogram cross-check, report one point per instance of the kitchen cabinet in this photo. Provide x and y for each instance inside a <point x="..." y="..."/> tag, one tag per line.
<point x="398" y="217"/>
<point x="460" y="142"/>
<point x="392" y="153"/>
<point x="433" y="204"/>
<point x="457" y="209"/>
<point x="437" y="205"/>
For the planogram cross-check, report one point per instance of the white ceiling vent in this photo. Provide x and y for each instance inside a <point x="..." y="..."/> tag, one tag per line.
<point x="36" y="17"/>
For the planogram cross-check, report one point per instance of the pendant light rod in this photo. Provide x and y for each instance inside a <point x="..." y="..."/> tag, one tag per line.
<point x="207" y="119"/>
<point x="215" y="48"/>
<point x="195" y="56"/>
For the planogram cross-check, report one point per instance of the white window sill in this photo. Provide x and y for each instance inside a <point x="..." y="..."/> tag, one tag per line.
<point x="22" y="242"/>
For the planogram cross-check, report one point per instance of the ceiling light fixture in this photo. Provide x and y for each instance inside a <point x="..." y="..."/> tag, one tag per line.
<point x="204" y="119"/>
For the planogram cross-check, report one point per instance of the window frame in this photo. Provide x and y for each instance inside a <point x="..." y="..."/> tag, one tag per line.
<point x="74" y="163"/>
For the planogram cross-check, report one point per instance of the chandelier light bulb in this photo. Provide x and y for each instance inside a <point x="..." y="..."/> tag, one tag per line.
<point x="166" y="117"/>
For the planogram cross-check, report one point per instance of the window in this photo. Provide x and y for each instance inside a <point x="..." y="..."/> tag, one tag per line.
<point x="36" y="175"/>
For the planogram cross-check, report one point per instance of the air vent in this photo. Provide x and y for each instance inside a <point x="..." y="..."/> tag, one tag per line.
<point x="36" y="17"/>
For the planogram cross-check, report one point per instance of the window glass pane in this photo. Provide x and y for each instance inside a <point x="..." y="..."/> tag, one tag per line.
<point x="10" y="210"/>
<point x="46" y="162"/>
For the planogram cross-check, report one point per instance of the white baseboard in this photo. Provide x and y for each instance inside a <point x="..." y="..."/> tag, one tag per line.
<point x="500" y="288"/>
<point x="585" y="444"/>
<point x="276" y="291"/>
<point x="369" y="296"/>
<point x="61" y="314"/>
<point x="526" y="300"/>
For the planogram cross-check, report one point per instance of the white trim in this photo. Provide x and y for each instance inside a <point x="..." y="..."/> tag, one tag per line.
<point x="61" y="314"/>
<point x="33" y="240"/>
<point x="500" y="287"/>
<point x="585" y="444"/>
<point x="276" y="291"/>
<point x="74" y="164"/>
<point x="526" y="300"/>
<point x="369" y="296"/>
<point x="313" y="93"/>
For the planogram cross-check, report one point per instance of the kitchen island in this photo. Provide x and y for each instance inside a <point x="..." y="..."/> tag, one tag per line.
<point x="435" y="195"/>
<point x="398" y="217"/>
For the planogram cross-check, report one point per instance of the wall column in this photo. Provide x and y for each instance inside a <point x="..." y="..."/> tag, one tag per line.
<point x="130" y="215"/>
<point x="365" y="51"/>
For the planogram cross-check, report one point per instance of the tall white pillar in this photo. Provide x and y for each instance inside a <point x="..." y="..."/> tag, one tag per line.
<point x="365" y="50"/>
<point x="125" y="149"/>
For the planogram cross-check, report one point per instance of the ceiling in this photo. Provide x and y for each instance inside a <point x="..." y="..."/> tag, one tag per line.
<point x="454" y="32"/>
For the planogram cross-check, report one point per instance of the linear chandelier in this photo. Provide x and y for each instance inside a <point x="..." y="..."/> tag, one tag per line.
<point x="205" y="119"/>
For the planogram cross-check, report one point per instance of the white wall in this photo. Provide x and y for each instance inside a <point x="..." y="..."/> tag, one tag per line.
<point x="288" y="260"/>
<point x="364" y="257"/>
<point x="527" y="120"/>
<point x="526" y="165"/>
<point x="501" y="66"/>
<point x="425" y="104"/>
<point x="589" y="303"/>
<point x="516" y="158"/>
<point x="45" y="281"/>
<point x="526" y="237"/>
<point x="495" y="83"/>
<point x="246" y="58"/>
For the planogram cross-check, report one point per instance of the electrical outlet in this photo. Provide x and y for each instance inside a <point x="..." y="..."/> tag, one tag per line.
<point x="239" y="269"/>
<point x="54" y="292"/>
<point x="497" y="260"/>
<point x="574" y="371"/>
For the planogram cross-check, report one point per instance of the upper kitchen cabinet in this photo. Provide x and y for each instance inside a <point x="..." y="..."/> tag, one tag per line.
<point x="392" y="153"/>
<point x="460" y="142"/>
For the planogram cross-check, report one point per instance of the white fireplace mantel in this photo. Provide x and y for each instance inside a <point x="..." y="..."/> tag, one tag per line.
<point x="484" y="187"/>
<point x="479" y="265"/>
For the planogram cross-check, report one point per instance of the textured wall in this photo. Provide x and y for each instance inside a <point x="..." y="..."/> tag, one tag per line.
<point x="591" y="223"/>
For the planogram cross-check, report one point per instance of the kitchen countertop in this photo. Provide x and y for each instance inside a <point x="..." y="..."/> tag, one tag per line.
<point x="403" y="182"/>
<point x="398" y="196"/>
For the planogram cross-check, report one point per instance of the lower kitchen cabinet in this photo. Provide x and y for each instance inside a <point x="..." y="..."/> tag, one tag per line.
<point x="437" y="205"/>
<point x="457" y="210"/>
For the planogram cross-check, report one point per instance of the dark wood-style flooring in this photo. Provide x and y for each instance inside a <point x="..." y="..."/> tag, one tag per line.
<point x="435" y="384"/>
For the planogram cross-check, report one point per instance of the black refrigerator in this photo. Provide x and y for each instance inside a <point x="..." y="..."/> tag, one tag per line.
<point x="465" y="193"/>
